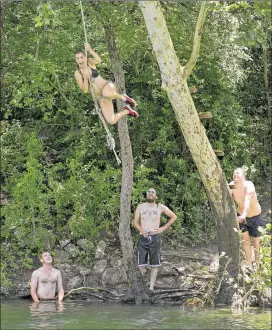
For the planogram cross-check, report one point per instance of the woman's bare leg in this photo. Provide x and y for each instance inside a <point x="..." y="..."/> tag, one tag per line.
<point x="109" y="91"/>
<point x="108" y="112"/>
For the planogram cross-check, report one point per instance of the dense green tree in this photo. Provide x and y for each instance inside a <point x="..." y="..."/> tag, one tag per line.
<point x="50" y="137"/>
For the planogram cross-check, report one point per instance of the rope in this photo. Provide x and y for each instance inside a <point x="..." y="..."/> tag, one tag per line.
<point x="109" y="137"/>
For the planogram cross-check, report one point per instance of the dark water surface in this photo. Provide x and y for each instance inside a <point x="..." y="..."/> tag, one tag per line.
<point x="84" y="315"/>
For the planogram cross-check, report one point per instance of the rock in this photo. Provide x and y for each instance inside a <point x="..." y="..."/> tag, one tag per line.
<point x="85" y="244"/>
<point x="166" y="282"/>
<point x="194" y="302"/>
<point x="120" y="263"/>
<point x="100" y="250"/>
<point x="84" y="270"/>
<point x="116" y="263"/>
<point x="3" y="291"/>
<point x="61" y="257"/>
<point x="74" y="283"/>
<point x="64" y="268"/>
<point x="64" y="242"/>
<point x="72" y="250"/>
<point x="184" y="282"/>
<point x="114" y="276"/>
<point x="93" y="280"/>
<point x="214" y="266"/>
<point x="100" y="266"/>
<point x="166" y="269"/>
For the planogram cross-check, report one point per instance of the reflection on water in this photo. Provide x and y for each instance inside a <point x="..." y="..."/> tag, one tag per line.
<point x="45" y="307"/>
<point x="43" y="312"/>
<point x="22" y="314"/>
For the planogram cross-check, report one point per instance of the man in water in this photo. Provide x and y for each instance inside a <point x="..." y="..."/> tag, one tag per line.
<point x="45" y="279"/>
<point x="249" y="214"/>
<point x="147" y="221"/>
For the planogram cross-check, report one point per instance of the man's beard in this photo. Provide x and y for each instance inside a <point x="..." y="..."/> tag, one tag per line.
<point x="150" y="199"/>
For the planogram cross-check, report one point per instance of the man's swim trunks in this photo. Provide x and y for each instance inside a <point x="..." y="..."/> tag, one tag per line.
<point x="251" y="225"/>
<point x="151" y="247"/>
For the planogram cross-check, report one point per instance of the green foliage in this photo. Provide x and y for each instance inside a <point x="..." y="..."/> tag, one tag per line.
<point x="264" y="274"/>
<point x="59" y="177"/>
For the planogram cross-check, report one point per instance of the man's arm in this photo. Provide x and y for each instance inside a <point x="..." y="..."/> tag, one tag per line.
<point x="172" y="219"/>
<point x="60" y="287"/>
<point x="231" y="186"/>
<point x="137" y="221"/>
<point x="250" y="189"/>
<point x="34" y="285"/>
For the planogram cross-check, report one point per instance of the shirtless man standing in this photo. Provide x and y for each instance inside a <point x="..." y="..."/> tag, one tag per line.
<point x="147" y="221"/>
<point x="249" y="213"/>
<point x="45" y="279"/>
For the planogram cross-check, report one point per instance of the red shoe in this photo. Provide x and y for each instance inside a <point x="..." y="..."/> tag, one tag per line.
<point x="131" y="112"/>
<point x="129" y="101"/>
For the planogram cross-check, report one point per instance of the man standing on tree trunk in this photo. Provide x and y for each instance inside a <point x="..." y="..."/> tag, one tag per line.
<point x="147" y="221"/>
<point x="249" y="214"/>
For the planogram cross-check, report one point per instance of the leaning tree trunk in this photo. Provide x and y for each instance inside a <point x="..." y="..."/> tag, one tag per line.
<point x="136" y="283"/>
<point x="174" y="82"/>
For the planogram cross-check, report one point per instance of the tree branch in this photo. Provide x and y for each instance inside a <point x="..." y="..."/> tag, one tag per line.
<point x="90" y="289"/>
<point x="197" y="37"/>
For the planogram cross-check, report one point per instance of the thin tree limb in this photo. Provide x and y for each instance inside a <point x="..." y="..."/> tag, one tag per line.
<point x="188" y="68"/>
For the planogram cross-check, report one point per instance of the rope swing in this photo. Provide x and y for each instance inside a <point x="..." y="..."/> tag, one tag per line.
<point x="109" y="137"/>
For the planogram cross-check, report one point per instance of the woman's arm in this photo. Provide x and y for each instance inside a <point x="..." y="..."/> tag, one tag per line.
<point x="96" y="58"/>
<point x="82" y="83"/>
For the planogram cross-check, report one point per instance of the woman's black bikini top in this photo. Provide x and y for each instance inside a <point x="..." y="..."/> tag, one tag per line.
<point x="93" y="74"/>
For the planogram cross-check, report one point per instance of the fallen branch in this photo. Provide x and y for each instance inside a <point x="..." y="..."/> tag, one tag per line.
<point x="90" y="289"/>
<point x="209" y="277"/>
<point x="176" y="295"/>
<point x="97" y="296"/>
<point x="155" y="292"/>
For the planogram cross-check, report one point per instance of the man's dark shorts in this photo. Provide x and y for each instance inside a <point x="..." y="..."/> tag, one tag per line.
<point x="150" y="246"/>
<point x="252" y="225"/>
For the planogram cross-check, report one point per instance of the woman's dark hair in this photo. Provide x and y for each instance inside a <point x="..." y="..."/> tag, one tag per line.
<point x="79" y="51"/>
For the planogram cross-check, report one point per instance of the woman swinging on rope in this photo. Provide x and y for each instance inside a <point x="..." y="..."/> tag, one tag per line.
<point x="87" y="76"/>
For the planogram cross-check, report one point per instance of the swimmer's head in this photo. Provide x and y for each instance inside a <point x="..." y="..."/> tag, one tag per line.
<point x="239" y="174"/>
<point x="151" y="195"/>
<point x="46" y="257"/>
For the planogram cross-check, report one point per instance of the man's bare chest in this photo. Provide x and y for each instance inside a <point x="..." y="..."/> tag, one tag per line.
<point x="48" y="278"/>
<point x="238" y="196"/>
<point x="150" y="213"/>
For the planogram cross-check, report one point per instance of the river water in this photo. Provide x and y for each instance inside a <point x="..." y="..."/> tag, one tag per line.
<point x="22" y="314"/>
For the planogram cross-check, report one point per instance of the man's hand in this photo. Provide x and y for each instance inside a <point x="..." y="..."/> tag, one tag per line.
<point x="157" y="231"/>
<point x="145" y="234"/>
<point x="241" y="219"/>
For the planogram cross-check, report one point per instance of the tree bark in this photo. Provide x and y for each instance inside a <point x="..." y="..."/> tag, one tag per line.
<point x="136" y="283"/>
<point x="175" y="84"/>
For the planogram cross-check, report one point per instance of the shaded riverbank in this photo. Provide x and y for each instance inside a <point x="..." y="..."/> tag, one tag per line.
<point x="185" y="277"/>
